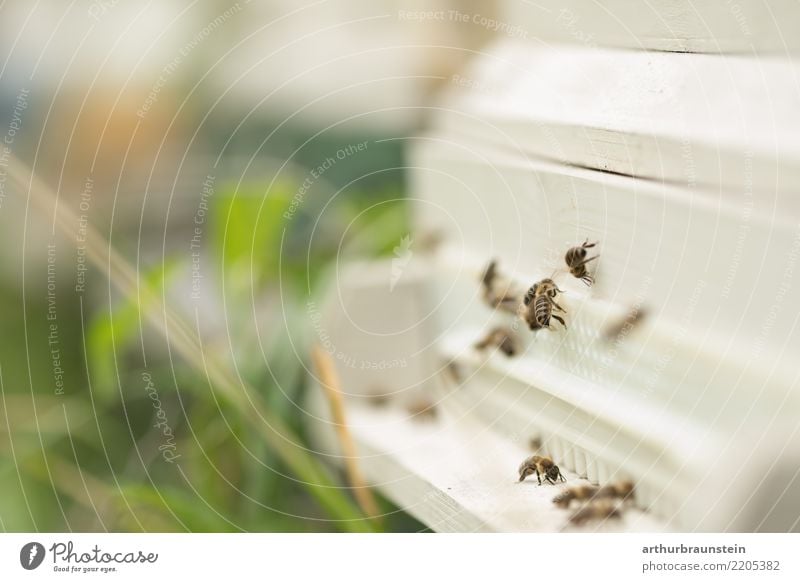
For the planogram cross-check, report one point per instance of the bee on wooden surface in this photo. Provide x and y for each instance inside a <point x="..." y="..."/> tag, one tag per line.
<point x="576" y="261"/>
<point x="422" y="409"/>
<point x="576" y="493"/>
<point x="498" y="292"/>
<point x="621" y="328"/>
<point x="621" y="490"/>
<point x="539" y="304"/>
<point x="542" y="466"/>
<point x="595" y="510"/>
<point x="502" y="338"/>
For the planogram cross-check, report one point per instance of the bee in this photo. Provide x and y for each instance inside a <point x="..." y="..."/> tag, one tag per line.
<point x="498" y="292"/>
<point x="422" y="409"/>
<point x="622" y="490"/>
<point x="602" y="509"/>
<point x="378" y="398"/>
<point x="539" y="303"/>
<point x="577" y="493"/>
<point x="540" y="465"/>
<point x="621" y="328"/>
<point x="502" y="338"/>
<point x="576" y="261"/>
<point x="452" y="372"/>
<point x="429" y="241"/>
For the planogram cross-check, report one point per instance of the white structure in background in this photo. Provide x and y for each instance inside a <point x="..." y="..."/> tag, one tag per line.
<point x="368" y="65"/>
<point x="53" y="43"/>
<point x="685" y="167"/>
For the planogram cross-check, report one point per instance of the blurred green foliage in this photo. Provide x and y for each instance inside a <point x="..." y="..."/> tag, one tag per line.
<point x="89" y="459"/>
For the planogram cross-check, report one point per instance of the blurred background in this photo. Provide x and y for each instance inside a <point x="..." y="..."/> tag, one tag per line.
<point x="193" y="195"/>
<point x="230" y="154"/>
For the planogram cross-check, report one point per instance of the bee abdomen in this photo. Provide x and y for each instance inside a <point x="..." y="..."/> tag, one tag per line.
<point x="542" y="311"/>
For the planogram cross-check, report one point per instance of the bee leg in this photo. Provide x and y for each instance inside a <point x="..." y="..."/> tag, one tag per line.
<point x="557" y="306"/>
<point x="561" y="320"/>
<point x="538" y="476"/>
<point x="587" y="245"/>
<point x="589" y="260"/>
<point x="490" y="273"/>
<point x="563" y="479"/>
<point x="588" y="280"/>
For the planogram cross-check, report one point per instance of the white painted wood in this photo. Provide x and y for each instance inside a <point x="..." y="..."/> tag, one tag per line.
<point x="455" y="475"/>
<point x="764" y="27"/>
<point x="711" y="267"/>
<point x="685" y="168"/>
<point x="694" y="120"/>
<point x="599" y="425"/>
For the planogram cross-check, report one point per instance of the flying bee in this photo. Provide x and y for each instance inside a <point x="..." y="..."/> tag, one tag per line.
<point x="576" y="261"/>
<point x="602" y="509"/>
<point x="619" y="330"/>
<point x="498" y="292"/>
<point x="502" y="338"/>
<point x="379" y="397"/>
<point x="539" y="303"/>
<point x="542" y="466"/>
<point x="452" y="373"/>
<point x="422" y="409"/>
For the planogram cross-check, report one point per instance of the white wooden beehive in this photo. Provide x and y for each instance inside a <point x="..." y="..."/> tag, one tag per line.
<point x="685" y="167"/>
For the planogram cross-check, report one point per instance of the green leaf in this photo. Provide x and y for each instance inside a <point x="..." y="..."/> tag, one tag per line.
<point x="247" y="225"/>
<point x="112" y="331"/>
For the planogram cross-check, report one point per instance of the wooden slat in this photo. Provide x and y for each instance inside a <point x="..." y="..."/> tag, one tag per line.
<point x="710" y="264"/>
<point x="764" y="27"/>
<point x="692" y="120"/>
<point x="456" y="476"/>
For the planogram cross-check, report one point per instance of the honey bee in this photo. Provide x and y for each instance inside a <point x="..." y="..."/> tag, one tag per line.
<point x="498" y="292"/>
<point x="622" y="490"/>
<point x="621" y="328"/>
<point x="502" y="338"/>
<point x="452" y="372"/>
<point x="576" y="261"/>
<point x="577" y="493"/>
<point x="539" y="303"/>
<point x="602" y="509"/>
<point x="429" y="241"/>
<point x="378" y="398"/>
<point x="542" y="466"/>
<point x="422" y="409"/>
